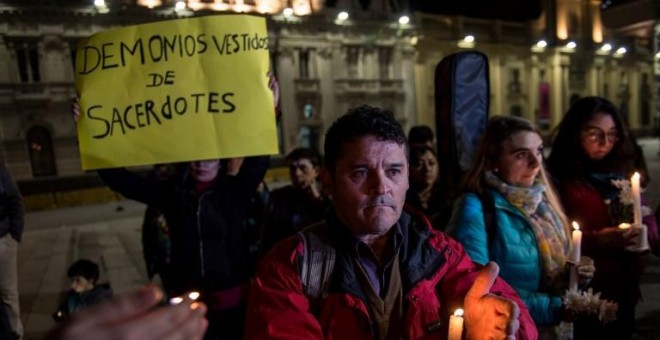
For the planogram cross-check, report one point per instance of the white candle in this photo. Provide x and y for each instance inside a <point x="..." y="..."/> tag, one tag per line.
<point x="637" y="200"/>
<point x="576" y="244"/>
<point x="456" y="325"/>
<point x="573" y="278"/>
<point x="643" y="241"/>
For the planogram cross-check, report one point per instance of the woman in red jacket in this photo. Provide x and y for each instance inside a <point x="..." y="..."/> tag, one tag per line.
<point x="591" y="151"/>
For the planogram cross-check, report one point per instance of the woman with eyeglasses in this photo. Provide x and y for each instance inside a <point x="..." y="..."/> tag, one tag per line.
<point x="592" y="149"/>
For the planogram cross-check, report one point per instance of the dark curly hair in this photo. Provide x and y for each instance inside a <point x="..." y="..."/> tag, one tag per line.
<point x="420" y="134"/>
<point x="84" y="268"/>
<point x="357" y="122"/>
<point x="303" y="153"/>
<point x="568" y="161"/>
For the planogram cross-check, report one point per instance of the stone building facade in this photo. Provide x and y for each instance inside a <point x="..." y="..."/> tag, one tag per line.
<point x="326" y="63"/>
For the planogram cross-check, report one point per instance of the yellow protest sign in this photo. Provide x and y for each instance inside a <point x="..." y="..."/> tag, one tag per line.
<point x="175" y="91"/>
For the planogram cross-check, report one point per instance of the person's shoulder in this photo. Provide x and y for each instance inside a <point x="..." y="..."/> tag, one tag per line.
<point x="286" y="250"/>
<point x="420" y="228"/>
<point x="574" y="187"/>
<point x="282" y="192"/>
<point x="101" y="291"/>
<point x="472" y="201"/>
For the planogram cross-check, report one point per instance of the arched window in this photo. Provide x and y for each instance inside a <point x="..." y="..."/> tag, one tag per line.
<point x="40" y="146"/>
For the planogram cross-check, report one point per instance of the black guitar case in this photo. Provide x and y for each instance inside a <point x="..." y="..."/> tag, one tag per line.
<point x="461" y="106"/>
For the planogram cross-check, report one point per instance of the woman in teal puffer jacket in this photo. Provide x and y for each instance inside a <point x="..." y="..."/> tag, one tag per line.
<point x="511" y="215"/>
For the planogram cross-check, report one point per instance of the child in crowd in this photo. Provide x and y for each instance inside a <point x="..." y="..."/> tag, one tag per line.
<point x="84" y="291"/>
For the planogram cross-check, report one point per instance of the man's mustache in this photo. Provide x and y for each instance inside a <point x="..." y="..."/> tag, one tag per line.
<point x="381" y="200"/>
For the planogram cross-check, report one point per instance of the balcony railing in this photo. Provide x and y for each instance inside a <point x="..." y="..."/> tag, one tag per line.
<point x="307" y="85"/>
<point x="41" y="91"/>
<point x="369" y="86"/>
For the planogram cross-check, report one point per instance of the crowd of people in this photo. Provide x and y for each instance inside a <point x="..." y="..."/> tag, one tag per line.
<point x="361" y="245"/>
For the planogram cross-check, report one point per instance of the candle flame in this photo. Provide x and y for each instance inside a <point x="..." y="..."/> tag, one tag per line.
<point x="625" y="226"/>
<point x="635" y="176"/>
<point x="193" y="295"/>
<point x="575" y="225"/>
<point x="458" y="312"/>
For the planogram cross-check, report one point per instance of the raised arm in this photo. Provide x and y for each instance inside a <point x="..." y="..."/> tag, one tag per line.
<point x="133" y="186"/>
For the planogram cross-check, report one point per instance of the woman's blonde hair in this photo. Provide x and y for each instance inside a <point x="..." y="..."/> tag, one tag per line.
<point x="499" y="130"/>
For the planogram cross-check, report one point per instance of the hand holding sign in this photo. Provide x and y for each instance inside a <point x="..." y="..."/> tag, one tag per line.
<point x="488" y="316"/>
<point x="274" y="87"/>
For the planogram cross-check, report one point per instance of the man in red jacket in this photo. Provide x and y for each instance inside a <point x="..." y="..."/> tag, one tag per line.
<point x="372" y="271"/>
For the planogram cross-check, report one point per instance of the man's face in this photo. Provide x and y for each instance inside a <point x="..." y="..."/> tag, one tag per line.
<point x="303" y="173"/>
<point x="369" y="185"/>
<point x="205" y="171"/>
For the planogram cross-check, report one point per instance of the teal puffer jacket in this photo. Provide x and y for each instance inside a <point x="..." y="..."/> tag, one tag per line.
<point x="513" y="248"/>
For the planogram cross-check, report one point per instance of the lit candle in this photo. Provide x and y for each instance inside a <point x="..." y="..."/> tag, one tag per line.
<point x="624" y="226"/>
<point x="456" y="325"/>
<point x="178" y="299"/>
<point x="577" y="241"/>
<point x="637" y="200"/>
<point x="574" y="257"/>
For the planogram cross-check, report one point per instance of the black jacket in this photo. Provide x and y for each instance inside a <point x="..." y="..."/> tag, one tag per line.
<point x="208" y="249"/>
<point x="11" y="206"/>
<point x="289" y="210"/>
<point x="75" y="301"/>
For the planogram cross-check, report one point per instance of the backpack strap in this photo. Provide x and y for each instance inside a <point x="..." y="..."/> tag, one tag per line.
<point x="316" y="264"/>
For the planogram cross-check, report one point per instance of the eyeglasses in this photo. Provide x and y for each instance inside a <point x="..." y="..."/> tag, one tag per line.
<point x="597" y="135"/>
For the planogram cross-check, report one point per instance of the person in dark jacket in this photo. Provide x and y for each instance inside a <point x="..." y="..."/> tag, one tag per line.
<point x="390" y="275"/>
<point x="85" y="289"/>
<point x="204" y="211"/>
<point x="156" y="247"/>
<point x="425" y="193"/>
<point x="592" y="152"/>
<point x="298" y="205"/>
<point x="5" y="327"/>
<point x="11" y="230"/>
